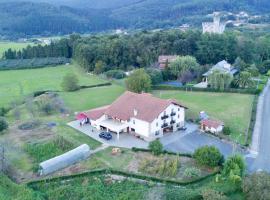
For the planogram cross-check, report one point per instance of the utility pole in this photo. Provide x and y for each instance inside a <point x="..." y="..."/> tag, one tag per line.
<point x="2" y="157"/>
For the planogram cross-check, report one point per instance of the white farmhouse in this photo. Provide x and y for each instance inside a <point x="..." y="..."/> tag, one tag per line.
<point x="212" y="126"/>
<point x="142" y="115"/>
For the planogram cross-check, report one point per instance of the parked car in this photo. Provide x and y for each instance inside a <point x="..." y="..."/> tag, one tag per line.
<point x="183" y="128"/>
<point x="105" y="135"/>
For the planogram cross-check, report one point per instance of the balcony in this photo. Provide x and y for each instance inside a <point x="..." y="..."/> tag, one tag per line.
<point x="173" y="114"/>
<point x="164" y="125"/>
<point x="172" y="121"/>
<point x="164" y="117"/>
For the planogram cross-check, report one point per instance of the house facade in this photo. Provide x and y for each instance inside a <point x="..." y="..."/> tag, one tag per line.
<point x="212" y="126"/>
<point x="214" y="27"/>
<point x="165" y="60"/>
<point x="141" y="115"/>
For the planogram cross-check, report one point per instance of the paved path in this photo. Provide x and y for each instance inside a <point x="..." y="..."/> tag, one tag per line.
<point x="125" y="141"/>
<point x="262" y="160"/>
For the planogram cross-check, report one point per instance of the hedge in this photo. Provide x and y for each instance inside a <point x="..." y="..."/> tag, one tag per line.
<point x="32" y="63"/>
<point x="252" y="120"/>
<point x="123" y="173"/>
<point x="98" y="85"/>
<point x="135" y="149"/>
<point x="229" y="90"/>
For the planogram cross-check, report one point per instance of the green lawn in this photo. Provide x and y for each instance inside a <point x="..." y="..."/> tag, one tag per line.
<point x="233" y="109"/>
<point x="16" y="84"/>
<point x="91" y="98"/>
<point x="13" y="45"/>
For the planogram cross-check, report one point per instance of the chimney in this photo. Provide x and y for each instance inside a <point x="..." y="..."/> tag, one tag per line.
<point x="135" y="112"/>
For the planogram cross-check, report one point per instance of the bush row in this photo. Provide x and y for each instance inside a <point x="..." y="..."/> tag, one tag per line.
<point x="32" y="63"/>
<point x="38" y="93"/>
<point x="122" y="173"/>
<point x="135" y="149"/>
<point x="229" y="90"/>
<point x="252" y="120"/>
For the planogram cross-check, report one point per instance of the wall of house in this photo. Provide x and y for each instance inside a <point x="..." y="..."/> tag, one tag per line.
<point x="155" y="128"/>
<point x="141" y="127"/>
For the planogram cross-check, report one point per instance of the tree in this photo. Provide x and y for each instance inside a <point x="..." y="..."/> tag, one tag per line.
<point x="70" y="82"/>
<point x="234" y="166"/>
<point x="99" y="67"/>
<point x="3" y="124"/>
<point x="257" y="186"/>
<point x="156" y="147"/>
<point x="183" y="64"/>
<point x="209" y="156"/>
<point x="155" y="75"/>
<point x="139" y="81"/>
<point x="220" y="80"/>
<point x="244" y="80"/>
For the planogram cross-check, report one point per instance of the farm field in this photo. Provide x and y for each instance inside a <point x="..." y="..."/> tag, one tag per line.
<point x="16" y="84"/>
<point x="12" y="45"/>
<point x="233" y="109"/>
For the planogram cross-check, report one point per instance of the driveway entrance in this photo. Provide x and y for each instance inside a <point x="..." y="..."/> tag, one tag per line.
<point x="126" y="140"/>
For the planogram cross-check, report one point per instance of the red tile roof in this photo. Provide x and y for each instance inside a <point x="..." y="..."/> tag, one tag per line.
<point x="162" y="60"/>
<point x="96" y="113"/>
<point x="141" y="106"/>
<point x="211" y="123"/>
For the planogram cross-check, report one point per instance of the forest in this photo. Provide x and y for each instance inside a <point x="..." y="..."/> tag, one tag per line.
<point x="46" y="17"/>
<point x="142" y="49"/>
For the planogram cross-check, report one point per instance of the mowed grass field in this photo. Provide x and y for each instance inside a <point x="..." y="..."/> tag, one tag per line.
<point x="233" y="109"/>
<point x="12" y="45"/>
<point x="16" y="84"/>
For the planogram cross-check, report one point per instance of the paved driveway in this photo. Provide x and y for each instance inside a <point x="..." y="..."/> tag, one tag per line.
<point x="125" y="141"/>
<point x="190" y="140"/>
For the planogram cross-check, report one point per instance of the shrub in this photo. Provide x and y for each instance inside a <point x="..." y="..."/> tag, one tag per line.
<point x="257" y="186"/>
<point x="70" y="83"/>
<point x="3" y="124"/>
<point x="234" y="166"/>
<point x="117" y="74"/>
<point x="29" y="125"/>
<point x="156" y="147"/>
<point x="208" y="155"/>
<point x="210" y="194"/>
<point x="166" y="166"/>
<point x="192" y="172"/>
<point x="3" y="111"/>
<point x="226" y="130"/>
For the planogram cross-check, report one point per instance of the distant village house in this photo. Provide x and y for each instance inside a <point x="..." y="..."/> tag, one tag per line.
<point x="165" y="60"/>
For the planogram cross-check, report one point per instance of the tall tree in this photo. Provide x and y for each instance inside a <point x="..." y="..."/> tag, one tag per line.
<point x="139" y="81"/>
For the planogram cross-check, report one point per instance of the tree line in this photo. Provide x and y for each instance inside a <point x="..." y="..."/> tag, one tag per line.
<point x="108" y="52"/>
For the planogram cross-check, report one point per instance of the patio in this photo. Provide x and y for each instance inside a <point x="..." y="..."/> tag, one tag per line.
<point x="125" y="140"/>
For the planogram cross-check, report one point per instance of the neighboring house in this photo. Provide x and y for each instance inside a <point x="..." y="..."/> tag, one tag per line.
<point x="165" y="60"/>
<point x="142" y="115"/>
<point x="214" y="27"/>
<point x="213" y="126"/>
<point x="222" y="66"/>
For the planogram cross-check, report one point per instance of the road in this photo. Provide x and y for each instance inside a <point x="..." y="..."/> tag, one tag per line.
<point x="262" y="161"/>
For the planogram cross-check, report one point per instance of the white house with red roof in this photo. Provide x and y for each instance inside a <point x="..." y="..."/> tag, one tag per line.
<point x="213" y="126"/>
<point x="142" y="115"/>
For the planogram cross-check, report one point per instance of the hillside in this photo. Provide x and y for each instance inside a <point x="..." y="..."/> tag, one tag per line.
<point x="25" y="18"/>
<point x="48" y="17"/>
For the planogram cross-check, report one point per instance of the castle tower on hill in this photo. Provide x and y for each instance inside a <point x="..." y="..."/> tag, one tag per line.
<point x="214" y="27"/>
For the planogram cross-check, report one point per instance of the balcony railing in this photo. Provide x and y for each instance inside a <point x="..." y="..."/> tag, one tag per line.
<point x="172" y="121"/>
<point x="164" y="117"/>
<point x="164" y="125"/>
<point x="173" y="114"/>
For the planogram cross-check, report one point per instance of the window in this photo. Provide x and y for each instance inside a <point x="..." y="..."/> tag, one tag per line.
<point x="178" y="116"/>
<point x="178" y="109"/>
<point x="133" y="121"/>
<point x="156" y="133"/>
<point x="172" y="109"/>
<point x="157" y="124"/>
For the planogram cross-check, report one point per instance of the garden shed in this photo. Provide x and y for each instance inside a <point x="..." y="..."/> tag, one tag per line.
<point x="64" y="160"/>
